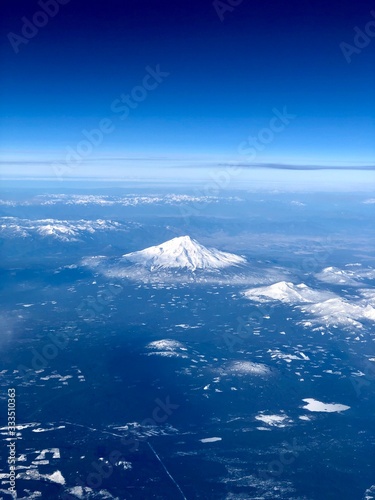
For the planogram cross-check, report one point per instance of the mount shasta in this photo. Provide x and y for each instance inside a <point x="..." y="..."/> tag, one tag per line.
<point x="183" y="253"/>
<point x="179" y="258"/>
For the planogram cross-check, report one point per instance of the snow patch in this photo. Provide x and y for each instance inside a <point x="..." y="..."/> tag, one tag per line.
<point x="210" y="440"/>
<point x="314" y="405"/>
<point x="273" y="420"/>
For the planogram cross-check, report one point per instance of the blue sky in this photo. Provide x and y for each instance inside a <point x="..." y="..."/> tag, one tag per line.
<point x="222" y="80"/>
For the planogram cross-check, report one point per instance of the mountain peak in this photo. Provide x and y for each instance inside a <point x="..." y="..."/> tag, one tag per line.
<point x="183" y="252"/>
<point x="185" y="241"/>
<point x="287" y="292"/>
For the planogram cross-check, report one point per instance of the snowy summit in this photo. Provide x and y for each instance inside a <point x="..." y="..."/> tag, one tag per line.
<point x="287" y="292"/>
<point x="183" y="253"/>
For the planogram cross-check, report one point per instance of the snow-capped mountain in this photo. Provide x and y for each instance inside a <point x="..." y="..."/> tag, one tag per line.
<point x="338" y="311"/>
<point x="322" y="306"/>
<point x="131" y="200"/>
<point x="287" y="292"/>
<point x="61" y="230"/>
<point x="184" y="261"/>
<point x="351" y="276"/>
<point x="183" y="253"/>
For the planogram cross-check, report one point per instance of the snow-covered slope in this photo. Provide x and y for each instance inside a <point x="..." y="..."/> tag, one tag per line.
<point x="322" y="306"/>
<point x="183" y="253"/>
<point x="61" y="230"/>
<point x="287" y="292"/>
<point x="338" y="276"/>
<point x="338" y="311"/>
<point x="351" y="276"/>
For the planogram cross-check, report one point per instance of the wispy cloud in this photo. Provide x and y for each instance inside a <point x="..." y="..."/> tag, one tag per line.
<point x="285" y="166"/>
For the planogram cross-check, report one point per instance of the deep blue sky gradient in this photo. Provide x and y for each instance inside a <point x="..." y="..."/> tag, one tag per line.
<point x="225" y="79"/>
